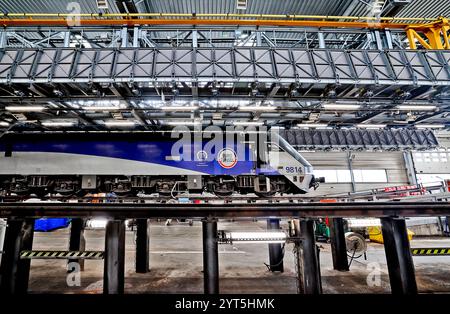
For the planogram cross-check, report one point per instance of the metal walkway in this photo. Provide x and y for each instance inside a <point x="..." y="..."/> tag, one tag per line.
<point x="239" y="64"/>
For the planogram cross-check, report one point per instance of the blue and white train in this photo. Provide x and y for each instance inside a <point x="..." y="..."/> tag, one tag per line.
<point x="78" y="164"/>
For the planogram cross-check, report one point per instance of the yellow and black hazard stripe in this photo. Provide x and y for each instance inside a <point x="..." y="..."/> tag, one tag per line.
<point x="62" y="254"/>
<point x="430" y="251"/>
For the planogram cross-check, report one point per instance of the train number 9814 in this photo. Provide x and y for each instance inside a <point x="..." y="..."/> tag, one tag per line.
<point x="292" y="169"/>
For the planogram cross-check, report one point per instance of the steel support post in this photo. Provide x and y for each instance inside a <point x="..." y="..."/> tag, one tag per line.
<point x="311" y="270"/>
<point x="275" y="249"/>
<point x="14" y="271"/>
<point x="298" y="258"/>
<point x="210" y="257"/>
<point x="142" y="246"/>
<point x="350" y="157"/>
<point x="447" y="226"/>
<point x="194" y="39"/>
<point x="321" y="38"/>
<point x="398" y="256"/>
<point x="114" y="269"/>
<point x="77" y="241"/>
<point x="338" y="246"/>
<point x="410" y="169"/>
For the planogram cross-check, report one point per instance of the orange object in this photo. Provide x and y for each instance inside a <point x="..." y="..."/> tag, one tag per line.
<point x="196" y="21"/>
<point x="328" y="200"/>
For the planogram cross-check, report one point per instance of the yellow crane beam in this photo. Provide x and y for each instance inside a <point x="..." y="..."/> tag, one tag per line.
<point x="429" y="32"/>
<point x="431" y="35"/>
<point x="197" y="21"/>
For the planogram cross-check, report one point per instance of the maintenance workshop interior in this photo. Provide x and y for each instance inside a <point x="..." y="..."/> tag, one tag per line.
<point x="233" y="147"/>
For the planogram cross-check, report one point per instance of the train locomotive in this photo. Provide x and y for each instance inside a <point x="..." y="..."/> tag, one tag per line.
<point x="76" y="165"/>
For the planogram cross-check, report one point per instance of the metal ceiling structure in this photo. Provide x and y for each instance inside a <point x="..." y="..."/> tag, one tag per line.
<point x="152" y="77"/>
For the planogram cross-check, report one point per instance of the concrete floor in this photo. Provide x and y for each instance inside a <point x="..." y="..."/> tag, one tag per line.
<point x="176" y="265"/>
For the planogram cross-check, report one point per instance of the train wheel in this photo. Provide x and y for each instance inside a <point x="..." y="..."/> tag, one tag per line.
<point x="40" y="193"/>
<point x="272" y="192"/>
<point x="224" y="190"/>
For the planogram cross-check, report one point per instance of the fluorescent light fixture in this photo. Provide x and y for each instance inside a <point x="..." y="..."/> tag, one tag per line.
<point x="371" y="126"/>
<point x="58" y="123"/>
<point x="341" y="107"/>
<point x="257" y="237"/>
<point x="119" y="123"/>
<point x="248" y="123"/>
<point x="179" y="108"/>
<point x="24" y="108"/>
<point x="257" y="108"/>
<point x="102" y="108"/>
<point x="97" y="223"/>
<point x="312" y="125"/>
<point x="416" y="108"/>
<point x="363" y="222"/>
<point x="184" y="123"/>
<point x="430" y="126"/>
<point x="3" y="123"/>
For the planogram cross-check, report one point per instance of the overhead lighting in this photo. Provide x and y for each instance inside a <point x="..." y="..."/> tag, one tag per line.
<point x="341" y="107"/>
<point x="174" y="123"/>
<point x="312" y="125"/>
<point x="24" y="108"/>
<point x="248" y="123"/>
<point x="58" y="123"/>
<point x="179" y="108"/>
<point x="256" y="237"/>
<point x="363" y="222"/>
<point x="416" y="108"/>
<point x="3" y="123"/>
<point x="430" y="126"/>
<point x="102" y="108"/>
<point x="371" y="126"/>
<point x="120" y="123"/>
<point x="257" y="108"/>
<point x="97" y="223"/>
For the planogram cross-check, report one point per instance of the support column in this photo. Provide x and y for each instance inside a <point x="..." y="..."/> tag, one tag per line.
<point x="311" y="270"/>
<point x="410" y="169"/>
<point x="14" y="271"/>
<point x="350" y="157"/>
<point x="77" y="241"/>
<point x="114" y="269"/>
<point x="338" y="246"/>
<point x="447" y="226"/>
<point x="142" y="246"/>
<point x="210" y="256"/>
<point x="321" y="38"/>
<point x="275" y="249"/>
<point x="398" y="256"/>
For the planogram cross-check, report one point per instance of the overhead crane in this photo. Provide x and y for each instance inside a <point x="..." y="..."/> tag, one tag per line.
<point x="431" y="33"/>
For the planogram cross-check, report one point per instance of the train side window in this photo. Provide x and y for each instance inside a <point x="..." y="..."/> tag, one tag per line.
<point x="8" y="150"/>
<point x="274" y="148"/>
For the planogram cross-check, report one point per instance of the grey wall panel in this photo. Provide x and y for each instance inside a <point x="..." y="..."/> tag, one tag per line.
<point x="392" y="162"/>
<point x="397" y="176"/>
<point x="378" y="160"/>
<point x="326" y="160"/>
<point x="329" y="189"/>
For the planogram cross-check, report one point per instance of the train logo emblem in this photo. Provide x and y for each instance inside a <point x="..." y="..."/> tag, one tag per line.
<point x="227" y="158"/>
<point x="202" y="155"/>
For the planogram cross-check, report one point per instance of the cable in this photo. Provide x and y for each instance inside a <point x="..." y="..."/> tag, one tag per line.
<point x="269" y="266"/>
<point x="352" y="257"/>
